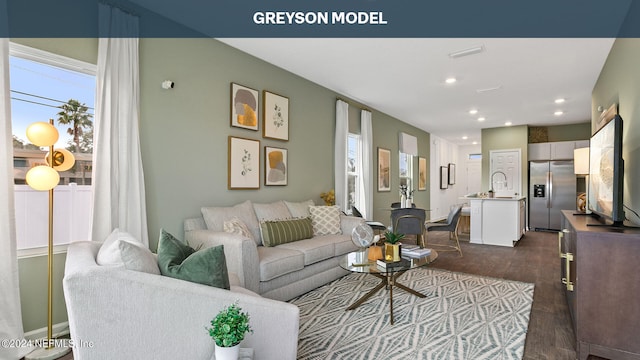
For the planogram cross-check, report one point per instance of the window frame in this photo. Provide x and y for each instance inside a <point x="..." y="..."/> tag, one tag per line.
<point x="59" y="61"/>
<point x="356" y="174"/>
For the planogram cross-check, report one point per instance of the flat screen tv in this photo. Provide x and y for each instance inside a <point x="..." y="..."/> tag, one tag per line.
<point x="606" y="172"/>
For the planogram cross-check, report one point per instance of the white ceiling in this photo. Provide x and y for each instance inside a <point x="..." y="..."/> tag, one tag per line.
<point x="405" y="78"/>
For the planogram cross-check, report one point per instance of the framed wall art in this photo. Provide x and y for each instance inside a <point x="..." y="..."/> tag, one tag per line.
<point x="422" y="173"/>
<point x="452" y="174"/>
<point x="276" y="170"/>
<point x="384" y="169"/>
<point x="444" y="177"/>
<point x="244" y="107"/>
<point x="275" y="112"/>
<point x="244" y="163"/>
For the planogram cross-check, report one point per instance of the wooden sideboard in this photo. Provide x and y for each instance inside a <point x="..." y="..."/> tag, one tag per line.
<point x="599" y="267"/>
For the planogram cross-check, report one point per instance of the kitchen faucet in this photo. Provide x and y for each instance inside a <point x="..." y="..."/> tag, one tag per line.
<point x="498" y="172"/>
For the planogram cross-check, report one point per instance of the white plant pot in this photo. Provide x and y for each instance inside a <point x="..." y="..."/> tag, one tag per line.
<point x="227" y="353"/>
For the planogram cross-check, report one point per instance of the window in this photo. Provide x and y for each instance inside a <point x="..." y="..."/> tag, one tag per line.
<point x="406" y="170"/>
<point x="475" y="156"/>
<point x="354" y="154"/>
<point x="48" y="86"/>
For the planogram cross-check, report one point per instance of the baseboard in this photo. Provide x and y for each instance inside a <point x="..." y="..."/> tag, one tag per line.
<point x="59" y="329"/>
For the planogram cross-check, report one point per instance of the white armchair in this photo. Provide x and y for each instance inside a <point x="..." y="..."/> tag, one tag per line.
<point x="116" y="313"/>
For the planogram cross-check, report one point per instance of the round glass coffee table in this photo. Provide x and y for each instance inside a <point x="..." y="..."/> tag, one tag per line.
<point x="357" y="262"/>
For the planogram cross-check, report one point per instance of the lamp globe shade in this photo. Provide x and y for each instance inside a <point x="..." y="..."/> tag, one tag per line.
<point x="42" y="134"/>
<point x="63" y="159"/>
<point x="42" y="178"/>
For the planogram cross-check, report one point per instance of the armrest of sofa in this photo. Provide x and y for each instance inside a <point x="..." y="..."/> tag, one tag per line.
<point x="116" y="313"/>
<point x="241" y="253"/>
<point x="348" y="223"/>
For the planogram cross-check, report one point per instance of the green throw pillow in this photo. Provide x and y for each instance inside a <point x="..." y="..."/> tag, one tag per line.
<point x="284" y="231"/>
<point x="180" y="261"/>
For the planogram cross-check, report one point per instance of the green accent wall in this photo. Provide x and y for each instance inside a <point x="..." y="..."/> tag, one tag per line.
<point x="508" y="137"/>
<point x="571" y="132"/>
<point x="619" y="82"/>
<point x="184" y="132"/>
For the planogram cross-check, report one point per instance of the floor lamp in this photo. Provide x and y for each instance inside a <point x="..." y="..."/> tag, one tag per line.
<point x="46" y="178"/>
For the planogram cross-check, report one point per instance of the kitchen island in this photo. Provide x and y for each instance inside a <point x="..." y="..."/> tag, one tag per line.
<point x="497" y="221"/>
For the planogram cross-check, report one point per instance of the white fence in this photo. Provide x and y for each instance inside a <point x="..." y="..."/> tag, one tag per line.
<point x="71" y="215"/>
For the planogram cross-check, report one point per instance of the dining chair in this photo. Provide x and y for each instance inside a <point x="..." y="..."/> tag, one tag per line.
<point x="409" y="221"/>
<point x="450" y="226"/>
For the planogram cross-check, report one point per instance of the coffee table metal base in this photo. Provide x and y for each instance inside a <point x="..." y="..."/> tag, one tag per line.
<point x="388" y="280"/>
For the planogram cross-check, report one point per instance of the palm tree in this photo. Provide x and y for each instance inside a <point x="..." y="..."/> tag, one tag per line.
<point x="75" y="114"/>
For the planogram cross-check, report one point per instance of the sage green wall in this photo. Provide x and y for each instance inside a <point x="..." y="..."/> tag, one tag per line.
<point x="508" y="137"/>
<point x="184" y="131"/>
<point x="32" y="271"/>
<point x="571" y="132"/>
<point x="619" y="82"/>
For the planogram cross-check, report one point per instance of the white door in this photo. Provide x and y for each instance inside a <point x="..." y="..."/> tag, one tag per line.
<point x="474" y="176"/>
<point x="505" y="176"/>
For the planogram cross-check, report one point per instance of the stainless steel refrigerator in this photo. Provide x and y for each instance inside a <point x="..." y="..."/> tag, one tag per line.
<point x="552" y="187"/>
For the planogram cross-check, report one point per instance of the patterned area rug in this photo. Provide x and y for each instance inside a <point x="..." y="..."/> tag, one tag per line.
<point x="462" y="317"/>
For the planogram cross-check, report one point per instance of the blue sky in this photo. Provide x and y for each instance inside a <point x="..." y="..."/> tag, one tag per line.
<point x="46" y="81"/>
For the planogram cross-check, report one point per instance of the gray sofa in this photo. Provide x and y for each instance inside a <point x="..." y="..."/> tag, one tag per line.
<point x="117" y="313"/>
<point x="279" y="272"/>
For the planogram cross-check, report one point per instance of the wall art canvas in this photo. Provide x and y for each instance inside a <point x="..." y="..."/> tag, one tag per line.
<point x="244" y="163"/>
<point x="244" y="107"/>
<point x="452" y="174"/>
<point x="422" y="173"/>
<point x="444" y="177"/>
<point x="275" y="112"/>
<point x="384" y="169"/>
<point x="276" y="170"/>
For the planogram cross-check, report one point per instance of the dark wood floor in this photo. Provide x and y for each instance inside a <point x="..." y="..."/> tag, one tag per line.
<point x="535" y="260"/>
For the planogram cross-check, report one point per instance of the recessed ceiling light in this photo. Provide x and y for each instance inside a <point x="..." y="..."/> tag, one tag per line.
<point x="558" y="113"/>
<point x="466" y="52"/>
<point x="560" y="101"/>
<point x="475" y="143"/>
<point x="465" y="137"/>
<point x="473" y="111"/>
<point x="508" y="123"/>
<point x="481" y="119"/>
<point x="450" y="80"/>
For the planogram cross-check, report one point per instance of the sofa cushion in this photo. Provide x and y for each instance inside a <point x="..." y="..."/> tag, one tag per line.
<point x="136" y="257"/>
<point x="325" y="219"/>
<point x="299" y="209"/>
<point x="277" y="261"/>
<point x="236" y="226"/>
<point x="274" y="211"/>
<point x="314" y="250"/>
<point x="178" y="260"/>
<point x="109" y="253"/>
<point x="284" y="231"/>
<point x="215" y="217"/>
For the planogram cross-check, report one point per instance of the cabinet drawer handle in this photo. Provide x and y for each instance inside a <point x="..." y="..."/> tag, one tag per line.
<point x="567" y="264"/>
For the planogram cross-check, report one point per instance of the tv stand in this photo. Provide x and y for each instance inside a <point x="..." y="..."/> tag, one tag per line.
<point x="596" y="270"/>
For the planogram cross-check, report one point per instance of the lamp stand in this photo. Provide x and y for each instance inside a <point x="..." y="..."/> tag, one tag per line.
<point x="49" y="352"/>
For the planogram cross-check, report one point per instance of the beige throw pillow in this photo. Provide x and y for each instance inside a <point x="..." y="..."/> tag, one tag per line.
<point x="236" y="226"/>
<point x="325" y="219"/>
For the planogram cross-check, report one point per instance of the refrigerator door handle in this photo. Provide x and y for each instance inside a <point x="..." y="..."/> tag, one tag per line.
<point x="550" y="183"/>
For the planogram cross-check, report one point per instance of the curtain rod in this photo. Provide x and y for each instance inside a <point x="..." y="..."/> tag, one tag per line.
<point x="350" y="103"/>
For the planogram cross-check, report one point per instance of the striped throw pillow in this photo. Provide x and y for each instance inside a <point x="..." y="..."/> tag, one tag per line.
<point x="284" y="231"/>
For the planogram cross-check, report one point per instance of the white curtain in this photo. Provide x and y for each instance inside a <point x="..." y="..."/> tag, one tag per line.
<point x="340" y="154"/>
<point x="10" y="309"/>
<point x="366" y="165"/>
<point x="118" y="187"/>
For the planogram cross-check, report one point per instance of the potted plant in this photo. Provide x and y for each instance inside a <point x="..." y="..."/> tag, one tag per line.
<point x="392" y="245"/>
<point x="228" y="329"/>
